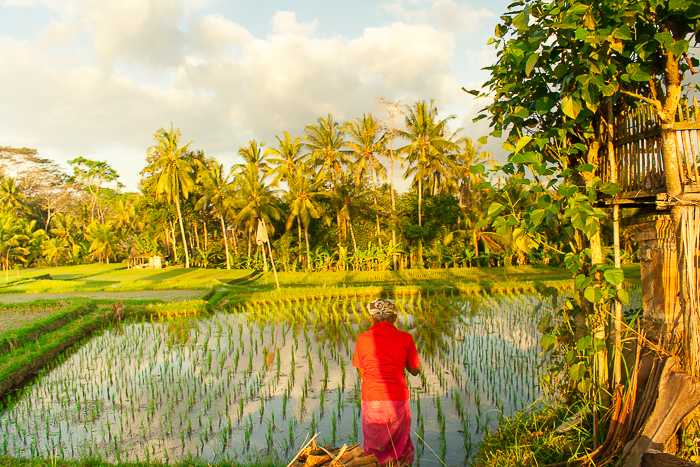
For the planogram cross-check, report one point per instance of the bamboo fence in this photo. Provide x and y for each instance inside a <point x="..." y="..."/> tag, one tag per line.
<point x="638" y="140"/>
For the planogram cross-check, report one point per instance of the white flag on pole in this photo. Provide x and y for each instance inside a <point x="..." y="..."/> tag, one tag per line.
<point x="261" y="236"/>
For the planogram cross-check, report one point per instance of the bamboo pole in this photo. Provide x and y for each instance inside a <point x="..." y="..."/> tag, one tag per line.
<point x="617" y="306"/>
<point x="272" y="261"/>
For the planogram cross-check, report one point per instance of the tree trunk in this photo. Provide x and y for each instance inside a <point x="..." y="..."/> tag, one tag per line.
<point x="172" y="232"/>
<point x="206" y="235"/>
<point x="596" y="246"/>
<point x="420" y="202"/>
<point x="167" y="242"/>
<point x="616" y="325"/>
<point x="223" y="231"/>
<point x="249" y="242"/>
<point x="48" y="219"/>
<point x="264" y="256"/>
<point x="299" y="242"/>
<point x="374" y="187"/>
<point x="393" y="208"/>
<point x="352" y="234"/>
<point x="182" y="230"/>
<point x="196" y="234"/>
<point x="308" y="252"/>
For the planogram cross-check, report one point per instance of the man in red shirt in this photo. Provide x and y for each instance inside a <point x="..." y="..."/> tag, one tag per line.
<point x="382" y="356"/>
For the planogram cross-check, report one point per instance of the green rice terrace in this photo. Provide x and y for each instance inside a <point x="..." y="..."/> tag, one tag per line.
<point x="234" y="370"/>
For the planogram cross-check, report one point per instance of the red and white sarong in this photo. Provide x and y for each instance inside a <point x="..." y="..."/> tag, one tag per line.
<point x="386" y="428"/>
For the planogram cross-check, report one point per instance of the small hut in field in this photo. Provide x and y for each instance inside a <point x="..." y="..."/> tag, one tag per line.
<point x="145" y="262"/>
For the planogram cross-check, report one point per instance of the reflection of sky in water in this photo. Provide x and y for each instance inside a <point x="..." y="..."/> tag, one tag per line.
<point x="205" y="388"/>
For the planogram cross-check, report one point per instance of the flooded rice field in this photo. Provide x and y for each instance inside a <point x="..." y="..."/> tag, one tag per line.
<point x="255" y="381"/>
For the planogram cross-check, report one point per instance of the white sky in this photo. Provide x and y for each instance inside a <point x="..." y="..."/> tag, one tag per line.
<point x="97" y="78"/>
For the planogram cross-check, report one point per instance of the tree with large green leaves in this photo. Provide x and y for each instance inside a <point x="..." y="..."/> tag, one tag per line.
<point x="563" y="69"/>
<point x="172" y="170"/>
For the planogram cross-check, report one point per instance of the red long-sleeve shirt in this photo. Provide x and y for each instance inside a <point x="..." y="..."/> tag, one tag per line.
<point x="383" y="353"/>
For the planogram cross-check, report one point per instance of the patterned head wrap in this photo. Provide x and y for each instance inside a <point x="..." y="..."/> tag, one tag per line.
<point x="380" y="306"/>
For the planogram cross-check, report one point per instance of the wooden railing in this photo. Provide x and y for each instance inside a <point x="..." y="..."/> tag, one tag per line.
<point x="638" y="151"/>
<point x="688" y="144"/>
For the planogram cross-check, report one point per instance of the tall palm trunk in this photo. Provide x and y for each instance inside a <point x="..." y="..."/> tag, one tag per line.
<point x="308" y="249"/>
<point x="299" y="232"/>
<point x="167" y="242"/>
<point x="206" y="235"/>
<point x="182" y="230"/>
<point x="374" y="187"/>
<point x="420" y="202"/>
<point x="223" y="231"/>
<point x="393" y="199"/>
<point x="419" y="253"/>
<point x="172" y="233"/>
<point x="352" y="234"/>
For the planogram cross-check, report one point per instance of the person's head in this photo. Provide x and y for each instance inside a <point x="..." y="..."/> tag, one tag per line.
<point x="381" y="309"/>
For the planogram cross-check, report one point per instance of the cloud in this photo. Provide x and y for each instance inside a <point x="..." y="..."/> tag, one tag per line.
<point x="447" y="15"/>
<point x="134" y="66"/>
<point x="401" y="54"/>
<point x="285" y="23"/>
<point x="214" y="34"/>
<point x="459" y="18"/>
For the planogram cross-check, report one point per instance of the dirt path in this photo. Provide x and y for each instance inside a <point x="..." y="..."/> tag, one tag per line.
<point x="165" y="295"/>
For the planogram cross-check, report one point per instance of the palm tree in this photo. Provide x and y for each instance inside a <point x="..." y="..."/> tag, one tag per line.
<point x="217" y="193"/>
<point x="393" y="109"/>
<point x="367" y="141"/>
<point x="253" y="157"/>
<point x="55" y="250"/>
<point x="287" y="159"/>
<point x="12" y="240"/>
<point x="103" y="241"/>
<point x="351" y="196"/>
<point x="68" y="228"/>
<point x="255" y="199"/>
<point x="167" y="161"/>
<point x="302" y="195"/>
<point x="35" y="238"/>
<point x="327" y="146"/>
<point x="11" y="196"/>
<point x="427" y="143"/>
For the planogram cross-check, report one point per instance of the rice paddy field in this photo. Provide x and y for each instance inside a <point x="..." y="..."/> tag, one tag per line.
<point x="252" y="378"/>
<point x="252" y="382"/>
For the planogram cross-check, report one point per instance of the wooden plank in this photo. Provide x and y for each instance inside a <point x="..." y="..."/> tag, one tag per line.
<point x="660" y="459"/>
<point x="636" y="137"/>
<point x="680" y="159"/>
<point x="684" y="126"/>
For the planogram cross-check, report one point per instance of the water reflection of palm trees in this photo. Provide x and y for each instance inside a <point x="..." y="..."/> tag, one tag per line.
<point x="434" y="321"/>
